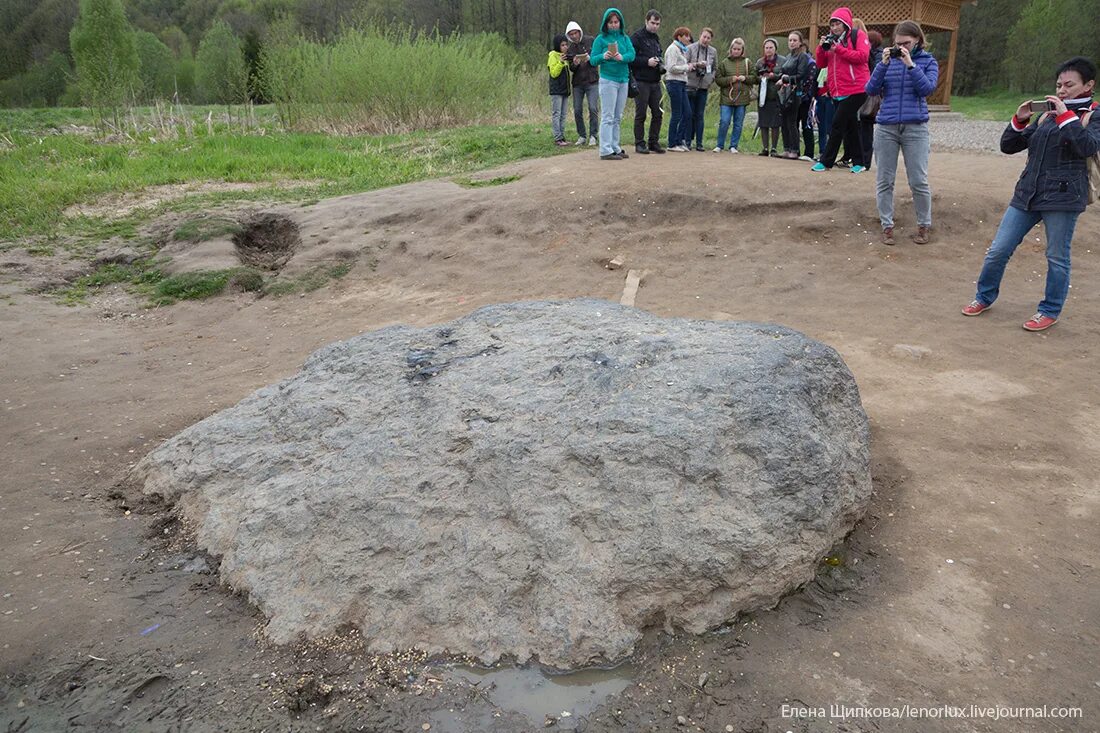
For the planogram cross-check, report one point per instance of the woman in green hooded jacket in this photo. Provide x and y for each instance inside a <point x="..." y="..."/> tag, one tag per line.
<point x="612" y="53"/>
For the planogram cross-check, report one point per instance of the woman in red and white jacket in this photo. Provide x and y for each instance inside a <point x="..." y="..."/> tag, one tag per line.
<point x="844" y="52"/>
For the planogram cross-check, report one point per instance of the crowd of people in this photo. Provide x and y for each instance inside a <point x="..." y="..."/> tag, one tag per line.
<point x="863" y="96"/>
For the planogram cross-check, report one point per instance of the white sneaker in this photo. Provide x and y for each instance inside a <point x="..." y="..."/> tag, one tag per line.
<point x="679" y="149"/>
<point x="734" y="150"/>
<point x="580" y="141"/>
<point x="806" y="158"/>
<point x="717" y="150"/>
<point x="593" y="142"/>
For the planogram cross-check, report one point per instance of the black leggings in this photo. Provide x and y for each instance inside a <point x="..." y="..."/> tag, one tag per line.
<point x="845" y="130"/>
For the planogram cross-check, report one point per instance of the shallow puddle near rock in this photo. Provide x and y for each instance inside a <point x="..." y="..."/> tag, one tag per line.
<point x="538" y="695"/>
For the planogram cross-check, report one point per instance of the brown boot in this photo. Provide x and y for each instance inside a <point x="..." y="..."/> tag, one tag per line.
<point x="921" y="237"/>
<point x="888" y="235"/>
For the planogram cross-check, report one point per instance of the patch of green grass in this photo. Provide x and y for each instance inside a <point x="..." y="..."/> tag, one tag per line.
<point x="996" y="105"/>
<point x="41" y="250"/>
<point x="205" y="228"/>
<point x="143" y="278"/>
<point x="137" y="274"/>
<point x="190" y="286"/>
<point x="312" y="280"/>
<point x="467" y="182"/>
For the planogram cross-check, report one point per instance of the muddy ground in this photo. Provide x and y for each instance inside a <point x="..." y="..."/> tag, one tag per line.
<point x="973" y="579"/>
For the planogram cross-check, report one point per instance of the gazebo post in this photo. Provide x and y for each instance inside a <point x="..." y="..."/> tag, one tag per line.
<point x="950" y="68"/>
<point x="815" y="13"/>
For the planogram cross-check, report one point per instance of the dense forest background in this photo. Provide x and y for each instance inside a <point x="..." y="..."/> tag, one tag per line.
<point x="1003" y="44"/>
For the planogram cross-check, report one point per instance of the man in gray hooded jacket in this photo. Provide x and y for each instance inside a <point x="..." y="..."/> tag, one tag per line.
<point x="586" y="83"/>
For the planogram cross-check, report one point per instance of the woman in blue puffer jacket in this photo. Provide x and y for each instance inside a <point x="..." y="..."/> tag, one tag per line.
<point x="905" y="75"/>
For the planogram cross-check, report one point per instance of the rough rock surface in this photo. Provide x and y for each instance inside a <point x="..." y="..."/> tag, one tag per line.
<point x="534" y="479"/>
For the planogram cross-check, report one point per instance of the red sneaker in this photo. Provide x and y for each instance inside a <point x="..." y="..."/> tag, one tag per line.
<point x="976" y="308"/>
<point x="1039" y="322"/>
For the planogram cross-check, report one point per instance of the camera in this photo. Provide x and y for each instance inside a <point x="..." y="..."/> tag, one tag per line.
<point x="1042" y="105"/>
<point x="786" y="79"/>
<point x="829" y="41"/>
<point x="895" y="52"/>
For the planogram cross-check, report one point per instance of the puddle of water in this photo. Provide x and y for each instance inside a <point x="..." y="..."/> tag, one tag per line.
<point x="535" y="694"/>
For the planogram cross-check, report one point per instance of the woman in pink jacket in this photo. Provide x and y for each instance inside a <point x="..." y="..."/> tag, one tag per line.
<point x="844" y="52"/>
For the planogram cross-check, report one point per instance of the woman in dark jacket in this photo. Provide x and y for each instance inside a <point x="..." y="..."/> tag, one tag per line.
<point x="904" y="83"/>
<point x="768" y="117"/>
<point x="1053" y="189"/>
<point x="793" y="73"/>
<point x="867" y="122"/>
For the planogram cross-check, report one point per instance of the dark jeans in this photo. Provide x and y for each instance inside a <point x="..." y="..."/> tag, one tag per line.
<point x="591" y="95"/>
<point x="845" y="131"/>
<point x="681" y="113"/>
<point x="790" y="128"/>
<point x="698" y="100"/>
<point x="649" y="97"/>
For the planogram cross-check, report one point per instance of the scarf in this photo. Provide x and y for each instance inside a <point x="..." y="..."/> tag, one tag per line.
<point x="682" y="46"/>
<point x="1080" y="105"/>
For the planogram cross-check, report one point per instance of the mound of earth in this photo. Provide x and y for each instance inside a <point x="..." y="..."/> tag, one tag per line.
<point x="535" y="480"/>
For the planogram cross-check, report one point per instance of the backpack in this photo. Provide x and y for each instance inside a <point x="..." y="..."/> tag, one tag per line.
<point x="1092" y="163"/>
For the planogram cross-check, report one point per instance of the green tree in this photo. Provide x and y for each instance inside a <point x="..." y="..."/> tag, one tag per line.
<point x="158" y="68"/>
<point x="1046" y="33"/>
<point x="106" y="56"/>
<point x="221" y="74"/>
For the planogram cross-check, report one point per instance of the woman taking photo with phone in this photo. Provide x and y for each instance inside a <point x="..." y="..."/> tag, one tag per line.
<point x="904" y="76"/>
<point x="768" y="116"/>
<point x="1053" y="189"/>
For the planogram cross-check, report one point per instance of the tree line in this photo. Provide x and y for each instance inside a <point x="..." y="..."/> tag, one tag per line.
<point x="187" y="50"/>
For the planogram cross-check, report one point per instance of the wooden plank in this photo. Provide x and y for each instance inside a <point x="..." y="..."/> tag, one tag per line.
<point x="633" y="282"/>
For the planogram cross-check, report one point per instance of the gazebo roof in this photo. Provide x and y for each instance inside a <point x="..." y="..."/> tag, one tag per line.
<point x="932" y="14"/>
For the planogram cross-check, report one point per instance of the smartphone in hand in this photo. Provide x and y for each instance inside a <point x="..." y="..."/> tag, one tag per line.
<point x="1040" y="106"/>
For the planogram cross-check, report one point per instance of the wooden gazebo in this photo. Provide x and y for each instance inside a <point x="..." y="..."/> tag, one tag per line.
<point x="812" y="17"/>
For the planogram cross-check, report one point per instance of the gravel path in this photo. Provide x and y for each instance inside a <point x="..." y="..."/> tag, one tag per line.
<point x="967" y="134"/>
<point x="952" y="133"/>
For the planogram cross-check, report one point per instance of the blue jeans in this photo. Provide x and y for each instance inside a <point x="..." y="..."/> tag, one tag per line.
<point x="826" y="107"/>
<point x="698" y="98"/>
<point x="1015" y="225"/>
<point x="557" y="115"/>
<point x="681" y="112"/>
<point x="726" y="114"/>
<point x="914" y="143"/>
<point x="612" y="104"/>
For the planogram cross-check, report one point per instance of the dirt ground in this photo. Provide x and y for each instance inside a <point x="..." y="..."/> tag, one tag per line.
<point x="973" y="579"/>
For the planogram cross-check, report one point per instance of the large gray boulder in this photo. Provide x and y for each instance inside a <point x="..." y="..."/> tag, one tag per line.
<point x="534" y="479"/>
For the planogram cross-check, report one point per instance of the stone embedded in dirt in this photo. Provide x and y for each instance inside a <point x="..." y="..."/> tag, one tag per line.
<point x="117" y="256"/>
<point x="909" y="351"/>
<point x="535" y="480"/>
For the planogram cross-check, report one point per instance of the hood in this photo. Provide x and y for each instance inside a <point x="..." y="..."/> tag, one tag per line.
<point x="844" y="15"/>
<point x="573" y="26"/>
<point x="558" y="40"/>
<point x="607" y="14"/>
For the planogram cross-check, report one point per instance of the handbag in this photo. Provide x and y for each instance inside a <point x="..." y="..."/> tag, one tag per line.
<point x="870" y="107"/>
<point x="632" y="86"/>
